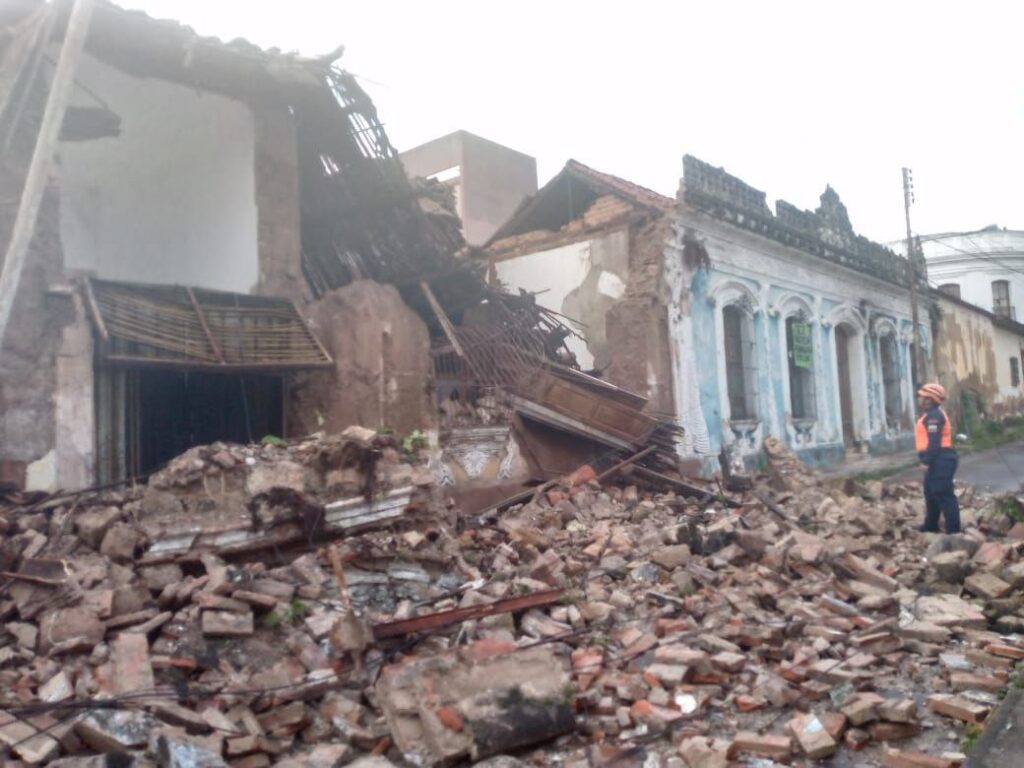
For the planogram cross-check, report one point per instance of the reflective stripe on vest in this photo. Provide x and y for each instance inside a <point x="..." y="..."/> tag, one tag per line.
<point x="921" y="433"/>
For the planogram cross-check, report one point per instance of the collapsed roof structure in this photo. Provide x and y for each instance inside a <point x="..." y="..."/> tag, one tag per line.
<point x="150" y="282"/>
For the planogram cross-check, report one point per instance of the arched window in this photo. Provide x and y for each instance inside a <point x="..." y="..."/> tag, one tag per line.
<point x="951" y="289"/>
<point x="888" y="351"/>
<point x="740" y="369"/>
<point x="800" y="354"/>
<point x="1001" y="298"/>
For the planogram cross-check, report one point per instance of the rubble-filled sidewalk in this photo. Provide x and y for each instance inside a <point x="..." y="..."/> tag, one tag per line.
<point x="319" y="603"/>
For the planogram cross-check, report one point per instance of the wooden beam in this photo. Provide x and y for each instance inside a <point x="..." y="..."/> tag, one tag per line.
<point x="458" y="615"/>
<point x="442" y="318"/>
<point x="42" y="159"/>
<point x="206" y="328"/>
<point x="94" y="308"/>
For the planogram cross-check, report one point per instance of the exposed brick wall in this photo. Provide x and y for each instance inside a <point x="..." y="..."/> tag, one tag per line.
<point x="277" y="203"/>
<point x="606" y="210"/>
<point x="637" y="326"/>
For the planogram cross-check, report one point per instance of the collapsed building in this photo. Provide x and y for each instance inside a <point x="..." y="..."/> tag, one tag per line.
<point x="743" y="322"/>
<point x="229" y="248"/>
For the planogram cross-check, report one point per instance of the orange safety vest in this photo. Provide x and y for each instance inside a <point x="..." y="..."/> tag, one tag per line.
<point x="921" y="433"/>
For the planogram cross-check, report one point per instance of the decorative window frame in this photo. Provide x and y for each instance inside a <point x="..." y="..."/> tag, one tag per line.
<point x="729" y="293"/>
<point x="789" y="305"/>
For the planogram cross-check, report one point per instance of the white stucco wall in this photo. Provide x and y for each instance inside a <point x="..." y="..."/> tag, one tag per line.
<point x="1008" y="345"/>
<point x="171" y="200"/>
<point x="973" y="260"/>
<point x="580" y="280"/>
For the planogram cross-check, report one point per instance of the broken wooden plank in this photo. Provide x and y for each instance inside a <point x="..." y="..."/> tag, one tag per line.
<point x="625" y="463"/>
<point x="458" y="615"/>
<point x="442" y="318"/>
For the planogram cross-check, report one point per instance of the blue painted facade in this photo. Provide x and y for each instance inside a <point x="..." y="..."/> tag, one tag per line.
<point x="842" y="286"/>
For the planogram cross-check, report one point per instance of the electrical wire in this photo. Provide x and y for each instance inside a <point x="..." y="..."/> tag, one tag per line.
<point x="982" y="256"/>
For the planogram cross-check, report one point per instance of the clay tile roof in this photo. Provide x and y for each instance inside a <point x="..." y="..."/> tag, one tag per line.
<point x="617" y="185"/>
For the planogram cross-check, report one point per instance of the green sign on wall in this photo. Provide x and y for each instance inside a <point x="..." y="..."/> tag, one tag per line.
<point x="803" y="349"/>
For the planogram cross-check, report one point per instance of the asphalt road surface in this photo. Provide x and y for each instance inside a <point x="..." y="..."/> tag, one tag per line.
<point x="997" y="470"/>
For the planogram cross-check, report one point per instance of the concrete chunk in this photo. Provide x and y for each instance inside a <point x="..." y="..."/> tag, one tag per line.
<point x="227" y="624"/>
<point x="115" y="730"/>
<point x="504" y="701"/>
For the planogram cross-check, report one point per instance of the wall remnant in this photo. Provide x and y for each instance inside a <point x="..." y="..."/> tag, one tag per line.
<point x="382" y="375"/>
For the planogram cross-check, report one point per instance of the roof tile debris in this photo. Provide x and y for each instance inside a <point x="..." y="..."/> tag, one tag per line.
<point x="218" y="612"/>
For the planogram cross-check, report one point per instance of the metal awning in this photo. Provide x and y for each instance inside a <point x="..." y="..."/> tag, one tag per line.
<point x="182" y="328"/>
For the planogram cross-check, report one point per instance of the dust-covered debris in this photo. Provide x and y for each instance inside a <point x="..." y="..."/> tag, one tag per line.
<point x="599" y="621"/>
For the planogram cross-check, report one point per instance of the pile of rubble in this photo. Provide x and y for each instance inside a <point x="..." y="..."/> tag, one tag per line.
<point x="317" y="603"/>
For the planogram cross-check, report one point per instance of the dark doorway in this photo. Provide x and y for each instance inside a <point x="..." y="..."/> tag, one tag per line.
<point x="843" y="339"/>
<point x="146" y="417"/>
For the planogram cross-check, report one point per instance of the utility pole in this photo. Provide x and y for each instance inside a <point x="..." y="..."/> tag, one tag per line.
<point x="42" y="157"/>
<point x="916" y="359"/>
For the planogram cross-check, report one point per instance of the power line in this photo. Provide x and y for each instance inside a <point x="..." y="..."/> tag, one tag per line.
<point x="984" y="257"/>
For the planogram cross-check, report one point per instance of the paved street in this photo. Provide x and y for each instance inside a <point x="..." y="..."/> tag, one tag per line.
<point x="997" y="469"/>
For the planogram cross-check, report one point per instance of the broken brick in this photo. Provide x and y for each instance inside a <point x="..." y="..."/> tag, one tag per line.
<point x="893" y="731"/>
<point x="958" y="707"/>
<point x="227" y="624"/>
<point x="812" y="737"/>
<point x="765" y="746"/>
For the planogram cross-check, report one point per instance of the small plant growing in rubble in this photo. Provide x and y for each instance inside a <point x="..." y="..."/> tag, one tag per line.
<point x="272" y="440"/>
<point x="600" y="640"/>
<point x="414" y="442"/>
<point x="1018" y="679"/>
<point x="1011" y="507"/>
<point x="292" y="613"/>
<point x="971" y="736"/>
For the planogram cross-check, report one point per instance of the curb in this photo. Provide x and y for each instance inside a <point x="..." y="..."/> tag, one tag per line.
<point x="1002" y="742"/>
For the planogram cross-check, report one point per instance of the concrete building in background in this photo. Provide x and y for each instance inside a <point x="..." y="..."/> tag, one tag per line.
<point x="489" y="181"/>
<point x="984" y="268"/>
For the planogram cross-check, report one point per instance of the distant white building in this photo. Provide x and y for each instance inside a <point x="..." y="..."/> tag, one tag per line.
<point x="984" y="268"/>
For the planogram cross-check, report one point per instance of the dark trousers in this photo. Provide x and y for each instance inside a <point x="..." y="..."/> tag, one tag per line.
<point x="939" y="495"/>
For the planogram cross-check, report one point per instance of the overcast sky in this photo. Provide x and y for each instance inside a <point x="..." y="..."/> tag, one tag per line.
<point x="786" y="95"/>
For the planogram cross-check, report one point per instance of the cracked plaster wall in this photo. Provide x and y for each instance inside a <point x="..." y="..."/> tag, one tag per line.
<point x="582" y="280"/>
